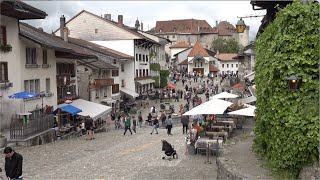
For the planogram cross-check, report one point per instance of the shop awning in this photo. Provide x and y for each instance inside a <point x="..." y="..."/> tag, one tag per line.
<point x="69" y="109"/>
<point x="129" y="92"/>
<point x="145" y="81"/>
<point x="108" y="100"/>
<point x="94" y="110"/>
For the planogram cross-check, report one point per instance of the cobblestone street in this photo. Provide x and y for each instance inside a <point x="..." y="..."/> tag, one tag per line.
<point x="114" y="156"/>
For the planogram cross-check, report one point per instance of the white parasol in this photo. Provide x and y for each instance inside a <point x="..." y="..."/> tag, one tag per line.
<point x="214" y="106"/>
<point x="224" y="95"/>
<point x="249" y="111"/>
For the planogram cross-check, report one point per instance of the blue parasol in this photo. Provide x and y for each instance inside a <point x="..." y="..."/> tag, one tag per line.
<point x="23" y="95"/>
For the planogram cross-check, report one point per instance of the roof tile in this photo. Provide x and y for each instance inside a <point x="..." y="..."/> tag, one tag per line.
<point x="212" y="68"/>
<point x="226" y="56"/>
<point x="180" y="45"/>
<point x="183" y="26"/>
<point x="198" y="49"/>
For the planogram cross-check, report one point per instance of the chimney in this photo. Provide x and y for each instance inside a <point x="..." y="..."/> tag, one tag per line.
<point x="141" y="26"/>
<point x="120" y="20"/>
<point x="216" y="23"/>
<point x="62" y="25"/>
<point x="65" y="34"/>
<point x="107" y="16"/>
<point x="40" y="28"/>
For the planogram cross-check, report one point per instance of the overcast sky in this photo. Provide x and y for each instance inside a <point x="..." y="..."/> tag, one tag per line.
<point x="149" y="12"/>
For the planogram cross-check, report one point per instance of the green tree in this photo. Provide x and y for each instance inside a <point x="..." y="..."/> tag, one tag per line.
<point x="225" y="46"/>
<point x="287" y="123"/>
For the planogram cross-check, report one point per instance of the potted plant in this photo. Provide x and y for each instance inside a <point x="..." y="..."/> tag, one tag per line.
<point x="5" y="47"/>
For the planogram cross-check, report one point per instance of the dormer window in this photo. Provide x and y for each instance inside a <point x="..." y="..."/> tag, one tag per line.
<point x="160" y="30"/>
<point x="174" y="29"/>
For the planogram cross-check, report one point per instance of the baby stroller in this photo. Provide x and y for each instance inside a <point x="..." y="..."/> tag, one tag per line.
<point x="168" y="150"/>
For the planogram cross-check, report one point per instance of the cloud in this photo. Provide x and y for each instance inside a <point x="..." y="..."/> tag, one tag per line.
<point x="149" y="12"/>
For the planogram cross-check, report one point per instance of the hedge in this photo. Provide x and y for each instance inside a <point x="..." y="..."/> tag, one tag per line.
<point x="287" y="123"/>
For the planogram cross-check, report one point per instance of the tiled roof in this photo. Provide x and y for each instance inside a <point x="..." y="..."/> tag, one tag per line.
<point x="53" y="42"/>
<point x="226" y="56"/>
<point x="198" y="49"/>
<point x="225" y="28"/>
<point x="184" y="62"/>
<point x="180" y="45"/>
<point x="20" y="10"/>
<point x="142" y="78"/>
<point x="212" y="68"/>
<point x="101" y="49"/>
<point x="183" y="26"/>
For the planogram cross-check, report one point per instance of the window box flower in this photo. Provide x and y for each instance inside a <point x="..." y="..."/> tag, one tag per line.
<point x="5" y="47"/>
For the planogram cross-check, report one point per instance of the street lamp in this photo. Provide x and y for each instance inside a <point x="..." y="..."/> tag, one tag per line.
<point x="241" y="26"/>
<point x="293" y="82"/>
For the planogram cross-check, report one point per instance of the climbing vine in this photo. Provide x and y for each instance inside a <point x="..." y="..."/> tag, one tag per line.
<point x="287" y="123"/>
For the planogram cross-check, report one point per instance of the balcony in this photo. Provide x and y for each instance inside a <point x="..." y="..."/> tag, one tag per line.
<point x="104" y="82"/>
<point x="32" y="65"/>
<point x="5" y="84"/>
<point x="46" y="65"/>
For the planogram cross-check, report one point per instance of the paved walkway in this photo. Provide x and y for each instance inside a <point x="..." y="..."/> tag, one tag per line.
<point x="114" y="156"/>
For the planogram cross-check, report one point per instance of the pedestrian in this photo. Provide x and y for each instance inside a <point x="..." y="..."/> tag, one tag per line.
<point x="134" y="124"/>
<point x="207" y="95"/>
<point x="13" y="164"/>
<point x="155" y="125"/>
<point x="93" y="128"/>
<point x="127" y="124"/>
<point x="169" y="125"/>
<point x="88" y="125"/>
<point x="140" y="120"/>
<point x="185" y="124"/>
<point x="163" y="118"/>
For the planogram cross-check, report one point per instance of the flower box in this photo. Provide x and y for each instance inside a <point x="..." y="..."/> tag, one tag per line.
<point x="5" y="47"/>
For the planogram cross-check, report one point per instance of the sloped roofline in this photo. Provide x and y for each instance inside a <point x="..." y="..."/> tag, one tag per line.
<point x="106" y="20"/>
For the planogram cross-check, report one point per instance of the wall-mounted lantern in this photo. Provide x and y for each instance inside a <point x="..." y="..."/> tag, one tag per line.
<point x="293" y="82"/>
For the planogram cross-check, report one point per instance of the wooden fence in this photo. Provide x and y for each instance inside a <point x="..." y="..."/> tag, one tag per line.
<point x="21" y="129"/>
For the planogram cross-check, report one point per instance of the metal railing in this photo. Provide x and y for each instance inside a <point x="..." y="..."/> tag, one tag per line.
<point x="21" y="129"/>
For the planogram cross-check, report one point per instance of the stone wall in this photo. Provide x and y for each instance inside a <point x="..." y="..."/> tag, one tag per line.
<point x="311" y="172"/>
<point x="225" y="171"/>
<point x="39" y="139"/>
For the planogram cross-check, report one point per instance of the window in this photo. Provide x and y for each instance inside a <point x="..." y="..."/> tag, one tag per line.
<point x="143" y="58"/>
<point x="201" y="64"/>
<point x="136" y="57"/>
<point x="97" y="93"/>
<point x="167" y="37"/>
<point x="32" y="85"/>
<point x="115" y="72"/>
<point x="31" y="56"/>
<point x="174" y="29"/>
<point x="3" y="71"/>
<point x="48" y="85"/>
<point x="137" y="72"/>
<point x="227" y="65"/>
<point x="160" y="30"/>
<point x="45" y="56"/>
<point x="96" y="31"/>
<point x="140" y="72"/>
<point x="222" y="65"/>
<point x="144" y="72"/>
<point x="236" y="65"/>
<point x="3" y="35"/>
<point x="231" y="65"/>
<point x="147" y="73"/>
<point x="115" y="88"/>
<point x="114" y="61"/>
<point x="146" y="58"/>
<point x="173" y="36"/>
<point x="122" y="67"/>
<point x="123" y="83"/>
<point x="139" y="57"/>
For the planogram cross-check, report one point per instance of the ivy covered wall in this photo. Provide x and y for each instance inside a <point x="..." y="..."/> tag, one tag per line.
<point x="287" y="123"/>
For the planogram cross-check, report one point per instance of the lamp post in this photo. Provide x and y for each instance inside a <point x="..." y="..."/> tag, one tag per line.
<point x="293" y="82"/>
<point x="241" y="26"/>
